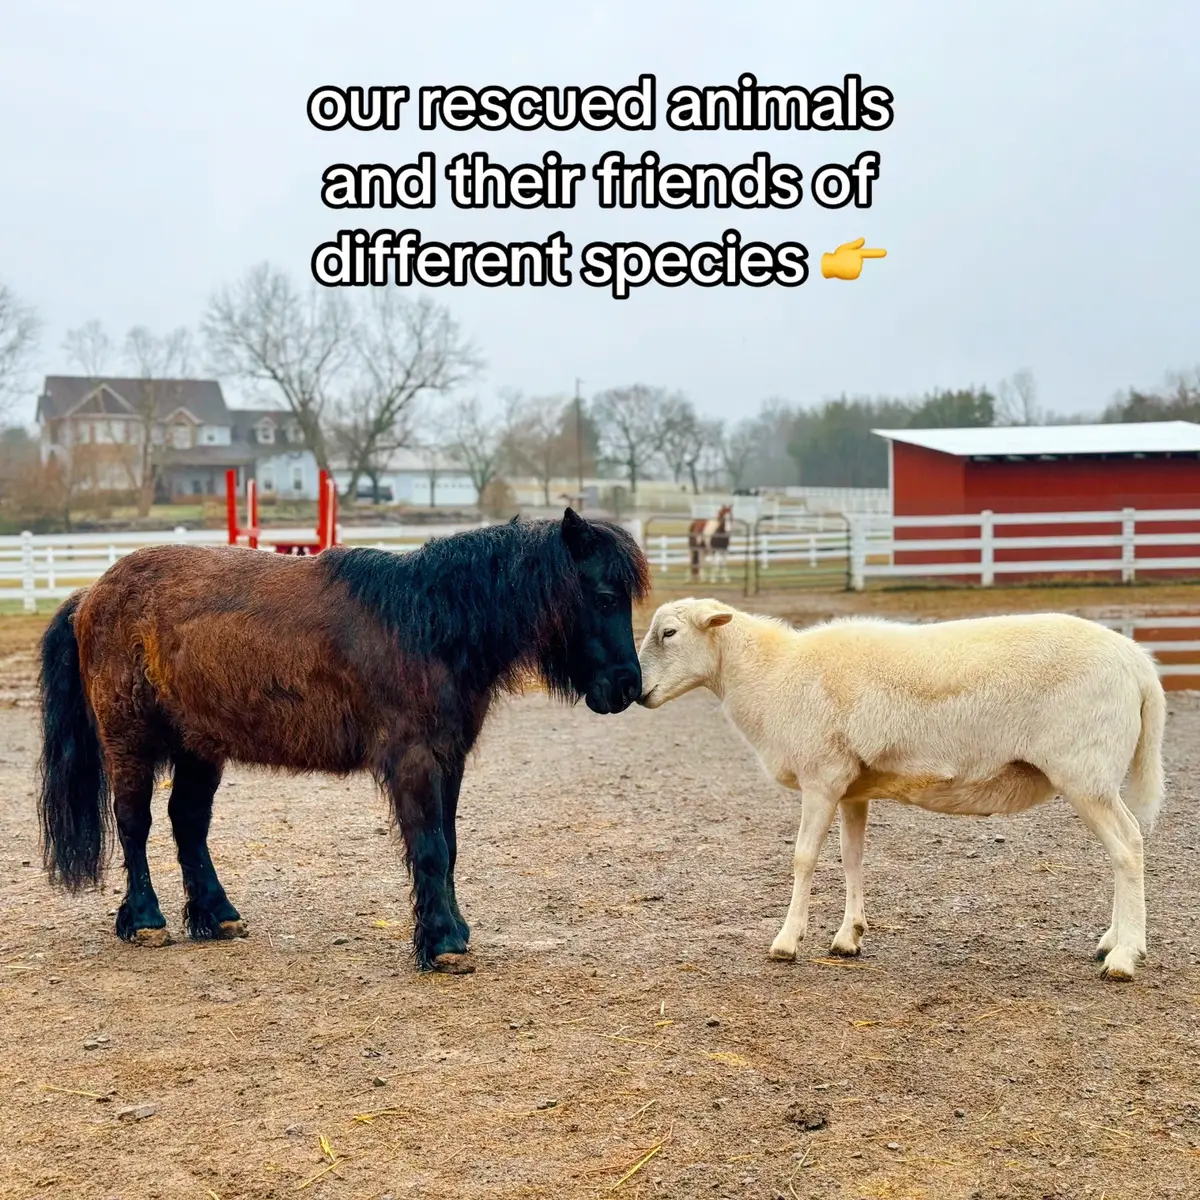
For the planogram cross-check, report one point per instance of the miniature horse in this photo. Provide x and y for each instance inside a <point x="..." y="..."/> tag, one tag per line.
<point x="350" y="660"/>
<point x="708" y="540"/>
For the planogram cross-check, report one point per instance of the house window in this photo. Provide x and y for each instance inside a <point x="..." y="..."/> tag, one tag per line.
<point x="295" y="434"/>
<point x="266" y="433"/>
<point x="268" y="479"/>
<point x="210" y="437"/>
<point x="297" y="479"/>
<point x="197" y="487"/>
<point x="181" y="436"/>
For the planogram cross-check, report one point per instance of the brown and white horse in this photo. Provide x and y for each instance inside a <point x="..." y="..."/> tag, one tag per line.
<point x="708" y="540"/>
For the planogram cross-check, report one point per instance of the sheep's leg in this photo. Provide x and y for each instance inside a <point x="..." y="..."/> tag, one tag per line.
<point x="1109" y="938"/>
<point x="853" y="835"/>
<point x="816" y="816"/>
<point x="1109" y="819"/>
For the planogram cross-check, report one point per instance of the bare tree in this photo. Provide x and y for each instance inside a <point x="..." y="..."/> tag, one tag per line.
<point x="703" y="450"/>
<point x="264" y="331"/>
<point x="90" y="348"/>
<point x="1016" y="400"/>
<point x="687" y="440"/>
<point x="678" y="429"/>
<point x="402" y="353"/>
<point x="474" y="438"/>
<point x="737" y="450"/>
<point x="535" y="442"/>
<point x="630" y="422"/>
<point x="20" y="328"/>
<point x="160" y="362"/>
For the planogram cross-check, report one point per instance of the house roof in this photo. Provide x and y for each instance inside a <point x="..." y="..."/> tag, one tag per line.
<point x="211" y="456"/>
<point x="1032" y="441"/>
<point x="244" y="420"/>
<point x="63" y="395"/>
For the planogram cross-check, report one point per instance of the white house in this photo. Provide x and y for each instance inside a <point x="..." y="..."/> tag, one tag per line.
<point x="96" y="428"/>
<point x="422" y="478"/>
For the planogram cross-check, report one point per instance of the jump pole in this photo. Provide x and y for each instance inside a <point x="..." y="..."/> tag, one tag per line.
<point x="252" y="513"/>
<point x="231" y="505"/>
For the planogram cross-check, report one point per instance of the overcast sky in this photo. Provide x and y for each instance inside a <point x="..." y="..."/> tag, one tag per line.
<point x="1039" y="194"/>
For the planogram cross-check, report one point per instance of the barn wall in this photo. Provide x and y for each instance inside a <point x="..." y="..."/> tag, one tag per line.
<point x="926" y="485"/>
<point x="926" y="482"/>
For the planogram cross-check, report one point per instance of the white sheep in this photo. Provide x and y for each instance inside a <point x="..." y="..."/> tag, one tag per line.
<point x="983" y="716"/>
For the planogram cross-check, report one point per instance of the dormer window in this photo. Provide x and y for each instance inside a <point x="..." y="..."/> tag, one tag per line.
<point x="265" y="432"/>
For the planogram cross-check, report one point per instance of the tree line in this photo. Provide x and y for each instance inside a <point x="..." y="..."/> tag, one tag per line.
<point x="368" y="373"/>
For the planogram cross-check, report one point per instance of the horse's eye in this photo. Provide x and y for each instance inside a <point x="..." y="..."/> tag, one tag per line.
<point x="668" y="633"/>
<point x="606" y="602"/>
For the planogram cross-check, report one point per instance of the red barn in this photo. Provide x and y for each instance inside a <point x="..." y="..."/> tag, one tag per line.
<point x="1046" y="469"/>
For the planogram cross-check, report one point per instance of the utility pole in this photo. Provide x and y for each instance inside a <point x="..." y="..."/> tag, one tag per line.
<point x="579" y="438"/>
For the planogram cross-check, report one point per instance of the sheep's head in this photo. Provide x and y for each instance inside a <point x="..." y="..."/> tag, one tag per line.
<point x="679" y="651"/>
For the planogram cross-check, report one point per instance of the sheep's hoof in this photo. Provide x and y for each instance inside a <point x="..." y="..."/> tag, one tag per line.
<point x="1121" y="964"/>
<point x="1106" y="944"/>
<point x="781" y="953"/>
<point x="844" y="949"/>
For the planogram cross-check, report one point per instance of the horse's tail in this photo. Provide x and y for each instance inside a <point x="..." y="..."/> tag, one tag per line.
<point x="1145" y="792"/>
<point x="73" y="801"/>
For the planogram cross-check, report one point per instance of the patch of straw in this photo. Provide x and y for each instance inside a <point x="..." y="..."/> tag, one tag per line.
<point x="641" y="1162"/>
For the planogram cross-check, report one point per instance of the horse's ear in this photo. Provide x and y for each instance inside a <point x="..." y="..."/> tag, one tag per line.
<point x="516" y="519"/>
<point x="577" y="534"/>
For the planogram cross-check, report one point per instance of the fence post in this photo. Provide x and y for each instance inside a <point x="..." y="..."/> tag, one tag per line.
<point x="812" y="550"/>
<point x="987" y="549"/>
<point x="858" y="556"/>
<point x="50" y="580"/>
<point x="662" y="552"/>
<point x="27" y="579"/>
<point x="180" y="533"/>
<point x="1128" y="544"/>
<point x="112" y="555"/>
<point x="764" y="557"/>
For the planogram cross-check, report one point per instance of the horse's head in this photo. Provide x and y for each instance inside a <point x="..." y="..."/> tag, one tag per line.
<point x="723" y="515"/>
<point x="602" y="659"/>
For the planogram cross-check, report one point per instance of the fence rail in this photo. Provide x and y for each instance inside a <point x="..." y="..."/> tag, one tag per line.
<point x="52" y="566"/>
<point x="877" y="542"/>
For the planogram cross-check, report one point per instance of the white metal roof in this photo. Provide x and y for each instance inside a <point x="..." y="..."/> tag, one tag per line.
<point x="1142" y="437"/>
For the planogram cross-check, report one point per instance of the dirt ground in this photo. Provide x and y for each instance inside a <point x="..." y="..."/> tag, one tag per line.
<point x="625" y="1033"/>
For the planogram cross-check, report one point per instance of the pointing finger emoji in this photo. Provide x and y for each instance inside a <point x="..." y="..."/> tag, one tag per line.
<point x="847" y="260"/>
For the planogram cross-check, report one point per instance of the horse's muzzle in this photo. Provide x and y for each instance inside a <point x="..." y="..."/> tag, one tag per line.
<point x="616" y="692"/>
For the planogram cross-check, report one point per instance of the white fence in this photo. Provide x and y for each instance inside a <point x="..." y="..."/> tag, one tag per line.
<point x="842" y="500"/>
<point x="874" y="545"/>
<point x="51" y="566"/>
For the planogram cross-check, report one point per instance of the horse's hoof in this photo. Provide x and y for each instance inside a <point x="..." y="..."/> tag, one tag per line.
<point x="781" y="954"/>
<point x="844" y="949"/>
<point x="455" y="964"/>
<point x="152" y="937"/>
<point x="233" y="929"/>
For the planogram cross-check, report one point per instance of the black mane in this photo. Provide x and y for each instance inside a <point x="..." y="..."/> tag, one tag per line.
<point x="490" y="603"/>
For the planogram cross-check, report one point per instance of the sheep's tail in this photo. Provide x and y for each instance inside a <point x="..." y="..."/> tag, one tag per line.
<point x="1146" y="785"/>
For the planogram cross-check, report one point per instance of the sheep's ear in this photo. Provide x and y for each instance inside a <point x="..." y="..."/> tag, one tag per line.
<point x="709" y="614"/>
